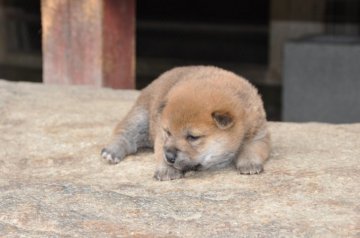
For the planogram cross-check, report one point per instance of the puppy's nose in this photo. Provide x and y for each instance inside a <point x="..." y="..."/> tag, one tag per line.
<point x="170" y="154"/>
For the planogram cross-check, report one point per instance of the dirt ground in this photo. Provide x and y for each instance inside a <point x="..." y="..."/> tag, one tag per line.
<point x="53" y="182"/>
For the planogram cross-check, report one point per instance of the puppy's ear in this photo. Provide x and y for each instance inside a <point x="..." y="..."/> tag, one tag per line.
<point x="223" y="120"/>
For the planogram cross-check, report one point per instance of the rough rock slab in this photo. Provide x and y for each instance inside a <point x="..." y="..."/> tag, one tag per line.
<point x="54" y="184"/>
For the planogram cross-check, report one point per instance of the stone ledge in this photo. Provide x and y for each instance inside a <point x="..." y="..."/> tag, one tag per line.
<point x="53" y="182"/>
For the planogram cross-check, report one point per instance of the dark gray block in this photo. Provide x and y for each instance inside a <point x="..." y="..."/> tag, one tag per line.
<point x="322" y="80"/>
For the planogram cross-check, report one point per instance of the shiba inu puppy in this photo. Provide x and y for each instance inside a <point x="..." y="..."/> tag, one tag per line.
<point x="195" y="118"/>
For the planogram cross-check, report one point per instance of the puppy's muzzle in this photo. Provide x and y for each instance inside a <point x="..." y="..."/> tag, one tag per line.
<point x="170" y="154"/>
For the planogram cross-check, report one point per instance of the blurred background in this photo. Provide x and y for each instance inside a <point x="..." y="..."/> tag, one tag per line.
<point x="302" y="55"/>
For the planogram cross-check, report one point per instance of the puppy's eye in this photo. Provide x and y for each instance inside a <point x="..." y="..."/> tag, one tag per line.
<point x="192" y="138"/>
<point x="167" y="132"/>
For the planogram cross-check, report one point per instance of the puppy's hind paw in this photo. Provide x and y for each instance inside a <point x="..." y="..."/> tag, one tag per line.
<point x="111" y="157"/>
<point x="250" y="168"/>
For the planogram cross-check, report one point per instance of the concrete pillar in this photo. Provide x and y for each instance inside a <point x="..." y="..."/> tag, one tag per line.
<point x="291" y="19"/>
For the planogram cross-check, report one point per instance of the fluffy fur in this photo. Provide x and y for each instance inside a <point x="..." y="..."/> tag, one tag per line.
<point x="196" y="118"/>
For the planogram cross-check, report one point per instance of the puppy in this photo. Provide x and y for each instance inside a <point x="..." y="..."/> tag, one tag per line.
<point x="196" y="118"/>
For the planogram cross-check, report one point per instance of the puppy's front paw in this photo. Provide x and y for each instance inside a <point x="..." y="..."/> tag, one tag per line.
<point x="112" y="156"/>
<point x="249" y="167"/>
<point x="165" y="173"/>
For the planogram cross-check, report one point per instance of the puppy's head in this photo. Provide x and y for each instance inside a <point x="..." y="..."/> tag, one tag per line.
<point x="200" y="130"/>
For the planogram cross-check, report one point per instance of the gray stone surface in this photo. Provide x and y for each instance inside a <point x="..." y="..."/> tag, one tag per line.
<point x="54" y="184"/>
<point x="322" y="80"/>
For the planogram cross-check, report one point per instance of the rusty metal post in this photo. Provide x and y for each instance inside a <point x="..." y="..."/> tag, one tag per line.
<point x="89" y="42"/>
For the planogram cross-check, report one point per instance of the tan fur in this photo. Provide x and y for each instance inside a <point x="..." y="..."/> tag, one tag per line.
<point x="196" y="118"/>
